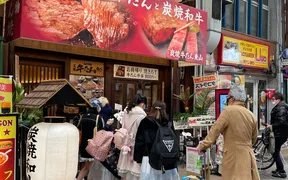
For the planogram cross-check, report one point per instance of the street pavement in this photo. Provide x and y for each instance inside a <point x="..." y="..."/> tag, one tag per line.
<point x="266" y="174"/>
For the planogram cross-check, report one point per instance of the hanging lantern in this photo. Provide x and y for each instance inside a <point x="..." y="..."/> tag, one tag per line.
<point x="52" y="151"/>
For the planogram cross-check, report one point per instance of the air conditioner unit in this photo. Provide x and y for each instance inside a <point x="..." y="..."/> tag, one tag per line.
<point x="227" y="2"/>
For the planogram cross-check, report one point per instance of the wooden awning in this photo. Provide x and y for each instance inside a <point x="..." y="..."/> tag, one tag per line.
<point x="53" y="92"/>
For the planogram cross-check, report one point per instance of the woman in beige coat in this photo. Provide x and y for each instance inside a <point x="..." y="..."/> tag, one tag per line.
<point x="239" y="128"/>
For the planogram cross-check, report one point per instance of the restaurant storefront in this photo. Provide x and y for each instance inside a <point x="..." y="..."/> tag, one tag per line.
<point x="117" y="59"/>
<point x="248" y="61"/>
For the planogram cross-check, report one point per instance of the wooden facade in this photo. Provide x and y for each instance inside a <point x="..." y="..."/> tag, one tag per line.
<point x="40" y="60"/>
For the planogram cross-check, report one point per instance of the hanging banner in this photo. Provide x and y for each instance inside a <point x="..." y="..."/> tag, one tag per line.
<point x="8" y="147"/>
<point x="205" y="82"/>
<point x="159" y="28"/>
<point x="6" y="102"/>
<point x="249" y="54"/>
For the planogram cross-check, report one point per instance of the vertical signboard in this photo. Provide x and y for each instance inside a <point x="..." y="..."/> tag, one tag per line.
<point x="8" y="141"/>
<point x="6" y="94"/>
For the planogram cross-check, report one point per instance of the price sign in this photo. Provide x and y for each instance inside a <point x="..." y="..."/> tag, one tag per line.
<point x="7" y="147"/>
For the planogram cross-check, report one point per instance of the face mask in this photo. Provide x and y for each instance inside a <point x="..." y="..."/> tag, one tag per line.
<point x="273" y="102"/>
<point x="227" y="101"/>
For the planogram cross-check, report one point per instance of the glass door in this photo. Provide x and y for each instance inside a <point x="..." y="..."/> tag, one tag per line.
<point x="257" y="103"/>
<point x="249" y="87"/>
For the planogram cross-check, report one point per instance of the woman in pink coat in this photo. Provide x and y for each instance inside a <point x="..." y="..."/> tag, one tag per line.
<point x="134" y="114"/>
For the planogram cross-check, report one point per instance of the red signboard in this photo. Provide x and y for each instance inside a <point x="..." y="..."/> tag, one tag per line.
<point x="7" y="147"/>
<point x="159" y="28"/>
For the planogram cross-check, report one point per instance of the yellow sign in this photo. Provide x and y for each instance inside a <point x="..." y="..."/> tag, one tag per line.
<point x="249" y="54"/>
<point x="3" y="1"/>
<point x="87" y="68"/>
<point x="7" y="127"/>
<point x="6" y="94"/>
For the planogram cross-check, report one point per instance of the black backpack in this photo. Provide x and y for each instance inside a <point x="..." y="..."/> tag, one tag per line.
<point x="164" y="154"/>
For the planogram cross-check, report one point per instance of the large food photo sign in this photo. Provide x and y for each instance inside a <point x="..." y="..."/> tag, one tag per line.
<point x="159" y="28"/>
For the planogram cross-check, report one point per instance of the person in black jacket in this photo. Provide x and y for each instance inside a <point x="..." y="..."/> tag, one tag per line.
<point x="145" y="138"/>
<point x="279" y="124"/>
<point x="86" y="126"/>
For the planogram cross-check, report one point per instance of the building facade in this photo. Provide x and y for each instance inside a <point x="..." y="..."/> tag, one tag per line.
<point x="250" y="47"/>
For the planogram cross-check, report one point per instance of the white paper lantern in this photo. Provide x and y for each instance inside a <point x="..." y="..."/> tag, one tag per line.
<point x="52" y="151"/>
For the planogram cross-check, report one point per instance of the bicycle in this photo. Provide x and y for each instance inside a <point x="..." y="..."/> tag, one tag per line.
<point x="264" y="158"/>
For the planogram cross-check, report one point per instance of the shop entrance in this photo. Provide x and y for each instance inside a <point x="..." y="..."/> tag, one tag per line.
<point x="257" y="102"/>
<point x="124" y="91"/>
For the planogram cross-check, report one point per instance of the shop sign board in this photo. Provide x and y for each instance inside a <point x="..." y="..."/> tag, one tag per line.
<point x="87" y="68"/>
<point x="250" y="54"/>
<point x="204" y="82"/>
<point x="8" y="147"/>
<point x="6" y="101"/>
<point x="134" y="72"/>
<point x="12" y="20"/>
<point x="192" y="156"/>
<point x="180" y="32"/>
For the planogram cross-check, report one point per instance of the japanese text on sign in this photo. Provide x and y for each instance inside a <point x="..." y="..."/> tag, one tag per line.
<point x="7" y="147"/>
<point x="132" y="72"/>
<point x="185" y="55"/>
<point x="205" y="82"/>
<point x="87" y="68"/>
<point x="31" y="150"/>
<point x="249" y="54"/>
<point x="169" y="9"/>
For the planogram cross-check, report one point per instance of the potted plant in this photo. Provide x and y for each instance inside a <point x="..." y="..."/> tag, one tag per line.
<point x="202" y="102"/>
<point x="185" y="97"/>
<point x="27" y="117"/>
<point x="181" y="119"/>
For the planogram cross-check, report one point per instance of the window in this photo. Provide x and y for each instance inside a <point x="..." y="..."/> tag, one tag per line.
<point x="243" y="16"/>
<point x="246" y="17"/>
<point x="216" y="9"/>
<point x="31" y="73"/>
<point x="229" y="16"/>
<point x="264" y="23"/>
<point x="254" y="19"/>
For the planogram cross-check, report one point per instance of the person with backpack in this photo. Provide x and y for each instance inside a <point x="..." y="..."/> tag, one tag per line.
<point x="105" y="170"/>
<point x="86" y="126"/>
<point x="157" y="146"/>
<point x="279" y="125"/>
<point x="133" y="115"/>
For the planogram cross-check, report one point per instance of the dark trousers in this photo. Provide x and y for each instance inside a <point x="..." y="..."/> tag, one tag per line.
<point x="279" y="141"/>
